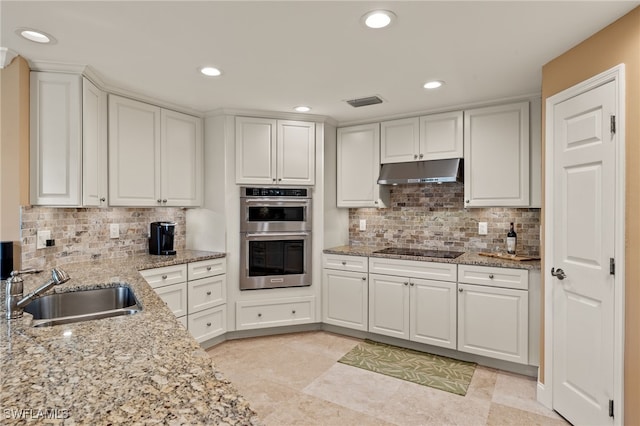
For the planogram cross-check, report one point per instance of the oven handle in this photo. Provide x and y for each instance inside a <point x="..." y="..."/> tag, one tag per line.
<point x="272" y="235"/>
<point x="271" y="201"/>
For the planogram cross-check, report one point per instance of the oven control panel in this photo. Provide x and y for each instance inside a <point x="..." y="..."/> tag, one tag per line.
<point x="275" y="192"/>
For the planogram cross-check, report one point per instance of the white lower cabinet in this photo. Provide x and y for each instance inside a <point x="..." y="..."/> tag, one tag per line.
<point x="412" y="308"/>
<point x="196" y="293"/>
<point x="345" y="291"/>
<point x="493" y="320"/>
<point x="275" y="312"/>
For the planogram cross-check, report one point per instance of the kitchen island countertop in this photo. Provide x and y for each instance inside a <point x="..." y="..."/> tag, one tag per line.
<point x="468" y="258"/>
<point x="135" y="369"/>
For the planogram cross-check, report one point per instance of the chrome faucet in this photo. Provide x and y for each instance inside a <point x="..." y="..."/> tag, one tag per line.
<point x="14" y="289"/>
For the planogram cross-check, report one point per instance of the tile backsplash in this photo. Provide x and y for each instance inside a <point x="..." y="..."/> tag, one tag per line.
<point x="82" y="234"/>
<point x="433" y="216"/>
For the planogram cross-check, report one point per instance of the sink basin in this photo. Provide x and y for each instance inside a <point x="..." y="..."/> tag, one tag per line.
<point x="82" y="305"/>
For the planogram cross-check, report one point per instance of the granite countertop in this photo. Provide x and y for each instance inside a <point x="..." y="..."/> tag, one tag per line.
<point x="469" y="258"/>
<point x="134" y="369"/>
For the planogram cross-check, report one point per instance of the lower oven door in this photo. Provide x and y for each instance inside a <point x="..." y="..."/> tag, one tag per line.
<point x="275" y="259"/>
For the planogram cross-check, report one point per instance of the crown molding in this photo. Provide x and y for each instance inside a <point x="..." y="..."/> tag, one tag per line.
<point x="272" y="114"/>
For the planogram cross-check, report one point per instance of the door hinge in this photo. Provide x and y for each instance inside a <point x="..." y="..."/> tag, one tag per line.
<point x="612" y="266"/>
<point x="613" y="124"/>
<point x="611" y="408"/>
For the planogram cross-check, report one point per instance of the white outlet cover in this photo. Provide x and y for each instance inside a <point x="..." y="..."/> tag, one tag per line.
<point x="482" y="228"/>
<point x="363" y="224"/>
<point x="41" y="239"/>
<point x="114" y="230"/>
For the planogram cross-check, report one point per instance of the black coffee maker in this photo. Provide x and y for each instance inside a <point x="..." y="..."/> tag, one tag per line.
<point x="161" y="239"/>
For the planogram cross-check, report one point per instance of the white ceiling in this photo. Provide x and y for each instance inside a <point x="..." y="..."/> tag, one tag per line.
<point x="276" y="55"/>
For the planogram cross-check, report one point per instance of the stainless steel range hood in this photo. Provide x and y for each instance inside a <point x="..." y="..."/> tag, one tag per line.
<point x="433" y="171"/>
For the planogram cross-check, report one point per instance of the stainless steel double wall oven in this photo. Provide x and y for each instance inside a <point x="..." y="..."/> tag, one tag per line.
<point x="275" y="237"/>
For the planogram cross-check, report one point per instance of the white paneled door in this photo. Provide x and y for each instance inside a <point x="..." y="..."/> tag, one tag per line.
<point x="583" y="242"/>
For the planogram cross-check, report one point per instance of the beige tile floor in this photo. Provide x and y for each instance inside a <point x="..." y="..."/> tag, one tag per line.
<point x="295" y="379"/>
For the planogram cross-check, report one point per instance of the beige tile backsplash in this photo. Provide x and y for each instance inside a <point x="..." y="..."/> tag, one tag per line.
<point x="433" y="216"/>
<point x="82" y="234"/>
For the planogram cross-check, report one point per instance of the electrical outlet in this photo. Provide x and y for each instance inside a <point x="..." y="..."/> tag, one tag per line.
<point x="41" y="239"/>
<point x="114" y="230"/>
<point x="482" y="228"/>
<point x="363" y="224"/>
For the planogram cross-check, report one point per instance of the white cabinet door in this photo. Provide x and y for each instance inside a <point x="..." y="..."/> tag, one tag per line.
<point x="441" y="136"/>
<point x="55" y="139"/>
<point x="181" y="156"/>
<point x="389" y="305"/>
<point x="134" y="153"/>
<point x="359" y="167"/>
<point x="296" y="152"/>
<point x="275" y="312"/>
<point x="94" y="146"/>
<point x="493" y="322"/>
<point x="433" y="312"/>
<point x="345" y="299"/>
<point x="208" y="324"/>
<point x="207" y="293"/>
<point x="255" y="150"/>
<point x="496" y="147"/>
<point x="400" y="140"/>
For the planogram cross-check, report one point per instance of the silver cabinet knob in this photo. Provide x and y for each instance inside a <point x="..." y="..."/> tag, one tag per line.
<point x="344" y="263"/>
<point x="103" y="199"/>
<point x="164" y="277"/>
<point x="208" y="293"/>
<point x="466" y="201"/>
<point x="491" y="276"/>
<point x="274" y="179"/>
<point x="208" y="268"/>
<point x="558" y="273"/>
<point x="421" y="155"/>
<point x="412" y="284"/>
<point x="406" y="283"/>
<point x="208" y="324"/>
<point x="364" y="278"/>
<point x="415" y="156"/>
<point x="460" y="290"/>
<point x="164" y="201"/>
<point x="159" y="200"/>
<point x="293" y="312"/>
<point x="259" y="315"/>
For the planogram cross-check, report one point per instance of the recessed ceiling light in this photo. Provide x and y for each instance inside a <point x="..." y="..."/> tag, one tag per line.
<point x="378" y="18"/>
<point x="210" y="71"/>
<point x="433" y="84"/>
<point x="302" y="108"/>
<point x="34" y="35"/>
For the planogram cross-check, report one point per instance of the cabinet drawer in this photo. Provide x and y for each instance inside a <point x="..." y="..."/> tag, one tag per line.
<point x="168" y="275"/>
<point x="206" y="268"/>
<point x="345" y="262"/>
<point x="206" y="293"/>
<point x="494" y="277"/>
<point x="175" y="296"/>
<point x="208" y="324"/>
<point x="261" y="314"/>
<point x="413" y="269"/>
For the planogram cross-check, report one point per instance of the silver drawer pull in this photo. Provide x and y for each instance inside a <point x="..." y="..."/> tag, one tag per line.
<point x="490" y="276"/>
<point x="164" y="277"/>
<point x="293" y="312"/>
<point x="208" y="268"/>
<point x="208" y="293"/>
<point x="259" y="315"/>
<point x="364" y="278"/>
<point x="344" y="263"/>
<point x="406" y="283"/>
<point x="412" y="284"/>
<point x="460" y="290"/>
<point x="208" y="324"/>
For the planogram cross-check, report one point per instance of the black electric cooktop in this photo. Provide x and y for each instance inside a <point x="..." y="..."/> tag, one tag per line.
<point x="441" y="254"/>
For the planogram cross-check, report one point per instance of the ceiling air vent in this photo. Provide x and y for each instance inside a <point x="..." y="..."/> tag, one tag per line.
<point x="360" y="102"/>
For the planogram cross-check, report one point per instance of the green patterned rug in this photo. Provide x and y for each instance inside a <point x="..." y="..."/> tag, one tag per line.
<point x="426" y="369"/>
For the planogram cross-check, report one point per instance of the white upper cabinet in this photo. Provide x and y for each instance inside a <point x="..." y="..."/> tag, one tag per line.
<point x="68" y="141"/>
<point x="431" y="137"/>
<point x="441" y="136"/>
<point x="400" y="140"/>
<point x="56" y="139"/>
<point x="496" y="146"/>
<point x="358" y="167"/>
<point x="181" y="159"/>
<point x="155" y="156"/>
<point x="280" y="152"/>
<point x="94" y="146"/>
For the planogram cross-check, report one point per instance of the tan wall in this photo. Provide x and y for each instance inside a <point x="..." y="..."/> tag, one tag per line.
<point x="14" y="148"/>
<point x="616" y="44"/>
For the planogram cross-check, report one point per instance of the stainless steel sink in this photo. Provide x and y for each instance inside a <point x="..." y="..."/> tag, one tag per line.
<point x="82" y="305"/>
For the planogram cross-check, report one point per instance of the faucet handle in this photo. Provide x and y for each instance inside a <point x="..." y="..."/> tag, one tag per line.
<point x="25" y="271"/>
<point x="59" y="276"/>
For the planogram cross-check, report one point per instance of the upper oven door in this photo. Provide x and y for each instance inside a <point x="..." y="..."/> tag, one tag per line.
<point x="275" y="215"/>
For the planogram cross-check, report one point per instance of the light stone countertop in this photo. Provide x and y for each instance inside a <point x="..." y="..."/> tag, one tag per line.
<point x="134" y="369"/>
<point x="469" y="258"/>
